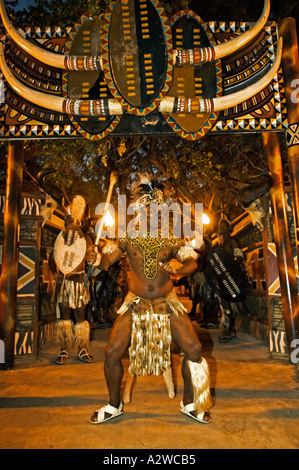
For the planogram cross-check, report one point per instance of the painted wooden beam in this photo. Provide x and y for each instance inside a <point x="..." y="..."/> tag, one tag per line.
<point x="10" y="249"/>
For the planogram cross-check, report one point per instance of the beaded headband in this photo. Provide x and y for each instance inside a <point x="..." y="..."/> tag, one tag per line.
<point x="155" y="196"/>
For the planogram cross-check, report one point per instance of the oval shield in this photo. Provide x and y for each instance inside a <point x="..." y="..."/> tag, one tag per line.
<point x="87" y="84"/>
<point x="226" y="276"/>
<point x="69" y="251"/>
<point x="204" y="81"/>
<point x="137" y="54"/>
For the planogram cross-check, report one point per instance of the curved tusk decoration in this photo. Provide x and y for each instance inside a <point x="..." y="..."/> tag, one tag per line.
<point x="197" y="56"/>
<point x="229" y="101"/>
<point x="209" y="105"/>
<point x="100" y="107"/>
<point x="181" y="57"/>
<point x="50" y="58"/>
<point x="60" y="61"/>
<point x="109" y="107"/>
<point x="55" y="103"/>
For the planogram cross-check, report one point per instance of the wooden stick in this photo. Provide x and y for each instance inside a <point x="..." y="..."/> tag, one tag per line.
<point x="113" y="180"/>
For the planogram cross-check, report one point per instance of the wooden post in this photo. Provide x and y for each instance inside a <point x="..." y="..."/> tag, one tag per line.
<point x="10" y="251"/>
<point x="290" y="67"/>
<point x="285" y="260"/>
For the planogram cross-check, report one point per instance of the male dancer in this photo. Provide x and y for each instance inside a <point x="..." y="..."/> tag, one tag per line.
<point x="73" y="295"/>
<point x="152" y="316"/>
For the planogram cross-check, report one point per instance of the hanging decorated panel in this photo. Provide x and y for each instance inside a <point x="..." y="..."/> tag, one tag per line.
<point x="136" y="73"/>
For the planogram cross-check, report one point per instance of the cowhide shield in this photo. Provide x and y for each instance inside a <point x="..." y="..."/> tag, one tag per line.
<point x="226" y="276"/>
<point x="69" y="250"/>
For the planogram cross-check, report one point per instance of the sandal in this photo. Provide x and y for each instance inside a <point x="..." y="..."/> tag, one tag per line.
<point x="62" y="357"/>
<point x="106" y="413"/>
<point x="189" y="410"/>
<point x="84" y="356"/>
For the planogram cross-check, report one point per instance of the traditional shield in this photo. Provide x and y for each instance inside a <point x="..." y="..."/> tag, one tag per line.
<point x="137" y="54"/>
<point x="189" y="31"/>
<point x="87" y="84"/>
<point x="69" y="253"/>
<point x="226" y="276"/>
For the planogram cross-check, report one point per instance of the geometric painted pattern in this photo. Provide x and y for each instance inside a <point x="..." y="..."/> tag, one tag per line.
<point x="277" y="342"/>
<point x="273" y="274"/>
<point x="23" y="120"/>
<point x="23" y="343"/>
<point x="273" y="114"/>
<point x="207" y="120"/>
<point x="29" y="205"/>
<point x="26" y="271"/>
<point x="256" y="270"/>
<point x="292" y="135"/>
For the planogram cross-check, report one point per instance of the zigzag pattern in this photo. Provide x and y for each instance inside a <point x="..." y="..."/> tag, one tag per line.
<point x="279" y="122"/>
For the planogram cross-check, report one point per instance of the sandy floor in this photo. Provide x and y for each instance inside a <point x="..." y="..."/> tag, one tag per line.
<point x="47" y="406"/>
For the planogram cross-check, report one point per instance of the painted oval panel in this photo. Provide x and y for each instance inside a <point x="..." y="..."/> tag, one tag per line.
<point x="203" y="81"/>
<point x="88" y="84"/>
<point x="137" y="54"/>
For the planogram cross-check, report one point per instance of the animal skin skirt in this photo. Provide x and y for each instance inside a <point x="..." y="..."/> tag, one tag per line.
<point x="149" y="350"/>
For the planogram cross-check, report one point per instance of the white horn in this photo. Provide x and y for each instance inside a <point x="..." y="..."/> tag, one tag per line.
<point x="197" y="56"/>
<point x="50" y="58"/>
<point x="101" y="107"/>
<point x="113" y="107"/>
<point x="229" y="101"/>
<point x="53" y="59"/>
<point x="54" y="103"/>
<point x="172" y="104"/>
<point x="227" y="48"/>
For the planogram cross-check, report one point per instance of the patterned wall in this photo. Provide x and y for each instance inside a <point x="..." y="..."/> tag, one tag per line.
<point x="264" y="296"/>
<point x="28" y="276"/>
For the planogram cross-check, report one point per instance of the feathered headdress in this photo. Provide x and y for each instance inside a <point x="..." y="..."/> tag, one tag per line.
<point x="77" y="208"/>
<point x="147" y="190"/>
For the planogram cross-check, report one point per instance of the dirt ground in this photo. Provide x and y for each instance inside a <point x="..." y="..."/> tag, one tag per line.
<point x="46" y="406"/>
